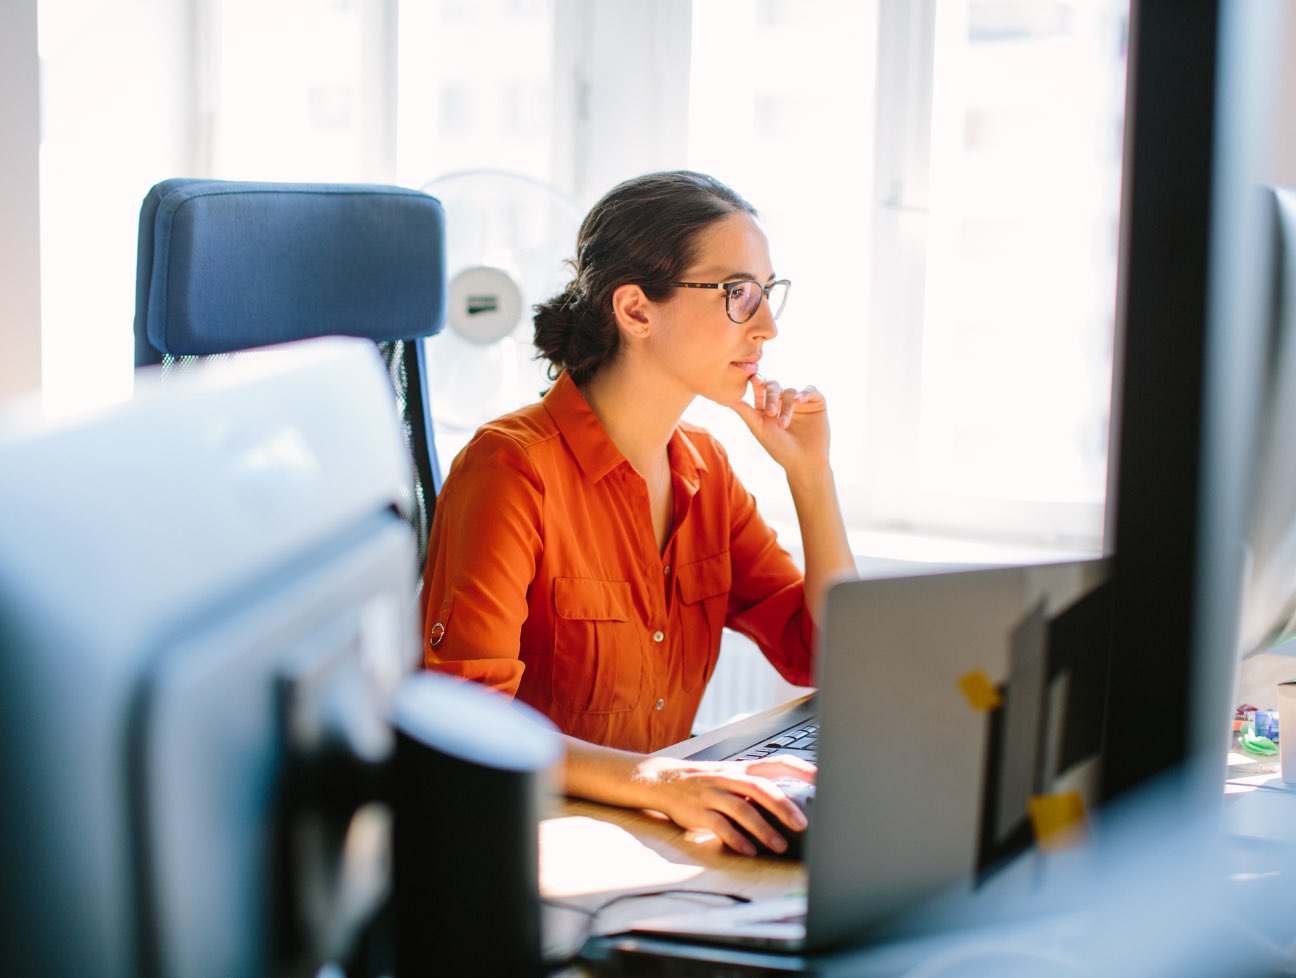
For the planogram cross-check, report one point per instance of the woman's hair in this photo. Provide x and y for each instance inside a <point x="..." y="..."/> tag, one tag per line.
<point x="644" y="231"/>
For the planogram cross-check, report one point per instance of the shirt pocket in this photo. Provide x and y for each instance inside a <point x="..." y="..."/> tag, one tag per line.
<point x="704" y="587"/>
<point x="598" y="647"/>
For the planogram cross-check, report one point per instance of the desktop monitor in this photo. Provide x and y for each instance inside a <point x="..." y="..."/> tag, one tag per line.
<point x="1269" y="582"/>
<point x="205" y="603"/>
<point x="1192" y="387"/>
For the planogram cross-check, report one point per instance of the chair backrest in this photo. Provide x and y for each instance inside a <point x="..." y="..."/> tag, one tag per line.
<point x="228" y="266"/>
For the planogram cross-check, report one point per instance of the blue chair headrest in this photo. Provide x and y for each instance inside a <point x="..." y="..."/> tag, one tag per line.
<point x="229" y="265"/>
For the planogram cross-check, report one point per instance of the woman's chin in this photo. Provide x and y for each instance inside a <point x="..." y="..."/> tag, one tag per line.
<point x="730" y="396"/>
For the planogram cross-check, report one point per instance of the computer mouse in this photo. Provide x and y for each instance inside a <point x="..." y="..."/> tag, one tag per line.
<point x="802" y="794"/>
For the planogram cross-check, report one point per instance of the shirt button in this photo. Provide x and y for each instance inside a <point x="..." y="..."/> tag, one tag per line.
<point x="666" y="569"/>
<point x="659" y="635"/>
<point x="660" y="704"/>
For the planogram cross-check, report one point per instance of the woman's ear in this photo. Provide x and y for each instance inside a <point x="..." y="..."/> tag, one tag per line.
<point x="631" y="308"/>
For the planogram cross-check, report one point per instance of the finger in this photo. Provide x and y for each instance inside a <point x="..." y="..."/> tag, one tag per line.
<point x="726" y="801"/>
<point x="770" y="404"/>
<point x="791" y="398"/>
<point x="787" y="772"/>
<point x="775" y="801"/>
<point x="784" y="766"/>
<point x="764" y="792"/>
<point x="750" y="415"/>
<point x="719" y="826"/>
<point x="746" y="815"/>
<point x="809" y="393"/>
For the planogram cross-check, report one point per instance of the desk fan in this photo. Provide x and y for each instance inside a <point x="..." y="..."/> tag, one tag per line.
<point x="507" y="236"/>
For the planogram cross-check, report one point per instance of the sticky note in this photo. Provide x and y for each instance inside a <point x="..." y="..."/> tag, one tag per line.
<point x="980" y="691"/>
<point x="1058" y="821"/>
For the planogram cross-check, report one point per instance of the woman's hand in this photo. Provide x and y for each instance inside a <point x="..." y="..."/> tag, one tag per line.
<point x="697" y="795"/>
<point x="790" y="424"/>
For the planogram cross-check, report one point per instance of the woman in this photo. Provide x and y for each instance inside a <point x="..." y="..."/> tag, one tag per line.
<point x="588" y="550"/>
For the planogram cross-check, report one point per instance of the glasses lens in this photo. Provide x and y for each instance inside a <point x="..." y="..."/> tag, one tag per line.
<point x="744" y="299"/>
<point x="778" y="294"/>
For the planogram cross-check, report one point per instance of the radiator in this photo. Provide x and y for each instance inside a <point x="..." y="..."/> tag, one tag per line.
<point x="743" y="682"/>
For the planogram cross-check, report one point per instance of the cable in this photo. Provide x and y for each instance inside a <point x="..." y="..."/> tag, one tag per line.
<point x="555" y="965"/>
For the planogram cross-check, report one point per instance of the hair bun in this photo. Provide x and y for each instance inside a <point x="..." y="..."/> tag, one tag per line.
<point x="643" y="232"/>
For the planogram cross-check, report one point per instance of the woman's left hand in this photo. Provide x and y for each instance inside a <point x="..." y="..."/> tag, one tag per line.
<point x="790" y="424"/>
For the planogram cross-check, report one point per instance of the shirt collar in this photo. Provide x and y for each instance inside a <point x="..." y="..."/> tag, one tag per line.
<point x="581" y="429"/>
<point x="589" y="442"/>
<point x="685" y="460"/>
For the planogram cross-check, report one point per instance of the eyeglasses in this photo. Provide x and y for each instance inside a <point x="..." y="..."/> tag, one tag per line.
<point x="742" y="298"/>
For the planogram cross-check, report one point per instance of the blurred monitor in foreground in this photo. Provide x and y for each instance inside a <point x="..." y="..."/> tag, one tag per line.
<point x="1268" y="627"/>
<point x="1269" y="593"/>
<point x="205" y="600"/>
<point x="1197" y="408"/>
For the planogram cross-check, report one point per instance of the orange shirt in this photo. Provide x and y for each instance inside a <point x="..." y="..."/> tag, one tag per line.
<point x="544" y="579"/>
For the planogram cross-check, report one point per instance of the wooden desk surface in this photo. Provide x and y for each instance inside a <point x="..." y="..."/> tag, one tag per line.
<point x="591" y="853"/>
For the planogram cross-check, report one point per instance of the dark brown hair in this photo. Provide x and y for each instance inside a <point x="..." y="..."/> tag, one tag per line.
<point x="644" y="232"/>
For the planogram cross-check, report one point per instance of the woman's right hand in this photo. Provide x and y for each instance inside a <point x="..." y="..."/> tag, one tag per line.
<point x="790" y="424"/>
<point x="702" y="796"/>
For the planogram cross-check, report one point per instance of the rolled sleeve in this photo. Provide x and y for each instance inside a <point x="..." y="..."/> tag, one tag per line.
<point x="484" y="545"/>
<point x="767" y="603"/>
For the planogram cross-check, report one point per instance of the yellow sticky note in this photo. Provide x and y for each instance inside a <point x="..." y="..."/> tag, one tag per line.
<point x="980" y="691"/>
<point x="1058" y="820"/>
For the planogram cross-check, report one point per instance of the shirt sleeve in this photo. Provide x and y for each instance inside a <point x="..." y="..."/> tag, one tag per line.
<point x="483" y="551"/>
<point x="767" y="599"/>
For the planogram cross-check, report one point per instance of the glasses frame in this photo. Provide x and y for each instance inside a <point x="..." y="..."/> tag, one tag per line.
<point x="765" y="294"/>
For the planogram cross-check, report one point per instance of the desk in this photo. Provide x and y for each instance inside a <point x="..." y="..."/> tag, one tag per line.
<point x="591" y="853"/>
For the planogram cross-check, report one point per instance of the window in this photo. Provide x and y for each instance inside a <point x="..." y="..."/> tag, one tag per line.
<point x="992" y="415"/>
<point x="955" y="162"/>
<point x="781" y="108"/>
<point x="475" y="89"/>
<point x="939" y="178"/>
<point x="968" y="365"/>
<point x="115" y="118"/>
<point x="297" y="91"/>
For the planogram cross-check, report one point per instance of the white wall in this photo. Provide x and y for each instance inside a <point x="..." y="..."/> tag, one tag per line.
<point x="20" y="271"/>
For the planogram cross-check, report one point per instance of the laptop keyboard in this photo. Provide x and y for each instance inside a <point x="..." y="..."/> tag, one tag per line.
<point x="801" y="739"/>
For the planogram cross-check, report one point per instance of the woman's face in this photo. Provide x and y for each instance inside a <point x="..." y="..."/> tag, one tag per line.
<point x="693" y="339"/>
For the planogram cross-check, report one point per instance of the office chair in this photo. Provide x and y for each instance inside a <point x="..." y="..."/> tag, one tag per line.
<point x="227" y="266"/>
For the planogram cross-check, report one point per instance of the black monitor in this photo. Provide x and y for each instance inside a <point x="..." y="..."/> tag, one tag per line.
<point x="1191" y="381"/>
<point x="205" y="598"/>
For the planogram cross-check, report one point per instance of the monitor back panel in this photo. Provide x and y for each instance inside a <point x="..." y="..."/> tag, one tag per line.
<point x="944" y="713"/>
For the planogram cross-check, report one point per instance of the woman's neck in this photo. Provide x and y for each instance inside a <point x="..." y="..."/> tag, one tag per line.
<point x="639" y="422"/>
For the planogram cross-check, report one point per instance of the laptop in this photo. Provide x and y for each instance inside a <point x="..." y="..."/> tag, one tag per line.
<point x="793" y="731"/>
<point x="950" y="705"/>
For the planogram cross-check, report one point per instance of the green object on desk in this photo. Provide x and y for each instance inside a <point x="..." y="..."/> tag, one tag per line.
<point x="1254" y="744"/>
